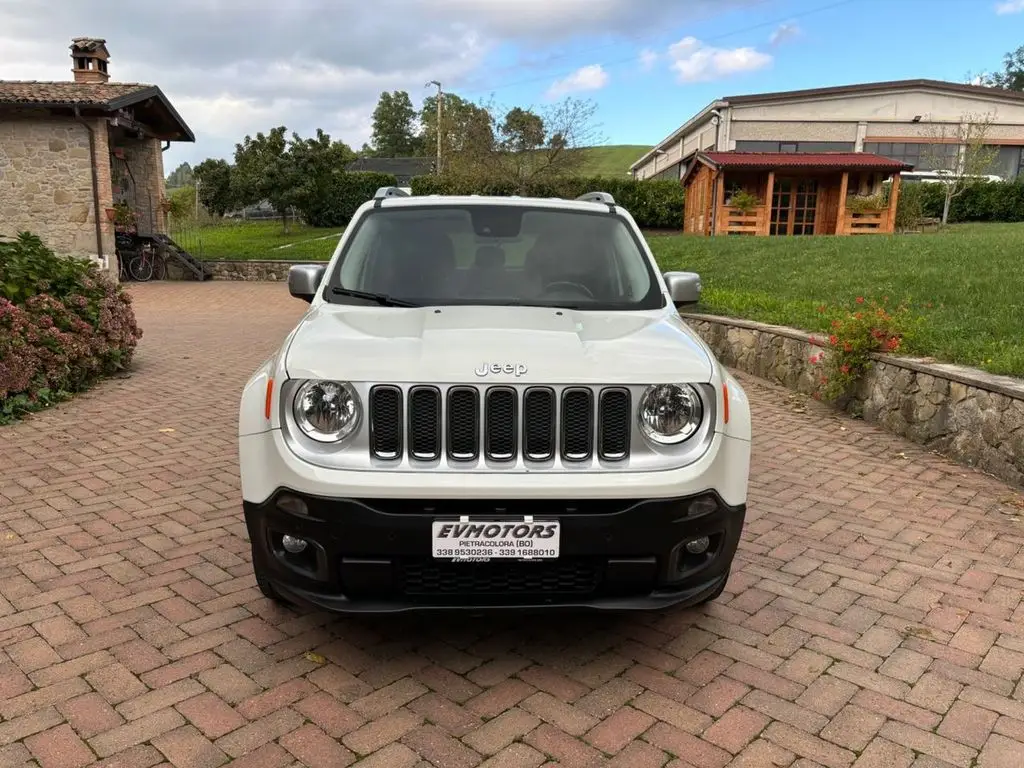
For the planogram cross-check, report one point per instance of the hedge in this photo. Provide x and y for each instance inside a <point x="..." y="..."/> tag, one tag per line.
<point x="987" y="201"/>
<point x="332" y="201"/>
<point x="654" y="204"/>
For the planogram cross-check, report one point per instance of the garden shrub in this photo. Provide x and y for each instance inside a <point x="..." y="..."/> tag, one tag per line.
<point x="63" y="325"/>
<point x="870" y="327"/>
<point x="331" y="201"/>
<point x="985" y="201"/>
<point x="655" y="204"/>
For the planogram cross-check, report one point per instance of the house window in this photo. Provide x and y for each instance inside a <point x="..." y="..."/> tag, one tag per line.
<point x="788" y="147"/>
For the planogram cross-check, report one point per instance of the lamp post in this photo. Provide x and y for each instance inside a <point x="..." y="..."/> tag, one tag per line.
<point x="438" y="162"/>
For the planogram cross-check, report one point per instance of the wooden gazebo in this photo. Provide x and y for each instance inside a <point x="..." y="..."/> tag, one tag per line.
<point x="773" y="193"/>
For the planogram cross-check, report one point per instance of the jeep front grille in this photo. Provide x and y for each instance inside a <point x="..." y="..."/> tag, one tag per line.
<point x="499" y="424"/>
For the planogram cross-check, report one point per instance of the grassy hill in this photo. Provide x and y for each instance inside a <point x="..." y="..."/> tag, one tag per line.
<point x="612" y="159"/>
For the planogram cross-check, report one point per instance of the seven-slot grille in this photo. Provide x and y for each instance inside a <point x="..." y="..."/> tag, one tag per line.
<point x="499" y="423"/>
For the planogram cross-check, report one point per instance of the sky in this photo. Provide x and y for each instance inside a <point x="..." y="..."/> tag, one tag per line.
<point x="233" y="68"/>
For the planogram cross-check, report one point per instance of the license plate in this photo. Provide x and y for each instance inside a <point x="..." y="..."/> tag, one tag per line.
<point x="493" y="540"/>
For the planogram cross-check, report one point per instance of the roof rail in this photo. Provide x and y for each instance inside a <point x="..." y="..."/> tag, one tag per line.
<point x="390" y="192"/>
<point x="597" y="197"/>
<point x="604" y="198"/>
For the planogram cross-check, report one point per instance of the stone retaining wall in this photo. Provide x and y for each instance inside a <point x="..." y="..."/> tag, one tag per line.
<point x="250" y="270"/>
<point x="971" y="416"/>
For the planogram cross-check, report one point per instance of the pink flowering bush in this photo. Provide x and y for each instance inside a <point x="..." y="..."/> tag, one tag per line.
<point x="63" y="325"/>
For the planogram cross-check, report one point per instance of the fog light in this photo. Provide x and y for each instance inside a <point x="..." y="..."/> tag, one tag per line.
<point x="698" y="546"/>
<point x="293" y="545"/>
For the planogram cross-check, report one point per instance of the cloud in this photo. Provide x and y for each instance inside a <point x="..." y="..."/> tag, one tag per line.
<point x="784" y="33"/>
<point x="589" y="78"/>
<point x="694" y="61"/>
<point x="1010" y="6"/>
<point x="310" y="64"/>
<point x="648" y="58"/>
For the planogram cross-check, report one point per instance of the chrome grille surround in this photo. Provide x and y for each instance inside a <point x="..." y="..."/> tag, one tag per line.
<point x="513" y="431"/>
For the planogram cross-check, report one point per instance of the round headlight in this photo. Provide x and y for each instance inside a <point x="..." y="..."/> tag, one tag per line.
<point x="669" y="413"/>
<point x="327" y="411"/>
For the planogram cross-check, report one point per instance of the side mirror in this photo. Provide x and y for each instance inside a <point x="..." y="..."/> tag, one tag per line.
<point x="683" y="287"/>
<point x="304" y="280"/>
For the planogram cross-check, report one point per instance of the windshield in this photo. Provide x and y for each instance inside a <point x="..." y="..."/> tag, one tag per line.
<point x="495" y="254"/>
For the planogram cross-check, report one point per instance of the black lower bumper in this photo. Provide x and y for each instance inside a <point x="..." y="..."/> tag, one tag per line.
<point x="375" y="556"/>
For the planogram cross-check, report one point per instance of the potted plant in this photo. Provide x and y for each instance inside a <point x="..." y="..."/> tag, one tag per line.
<point x="745" y="201"/>
<point x="864" y="203"/>
<point x="124" y="217"/>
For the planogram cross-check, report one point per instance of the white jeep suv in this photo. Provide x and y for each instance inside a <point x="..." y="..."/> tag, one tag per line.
<point x="493" y="402"/>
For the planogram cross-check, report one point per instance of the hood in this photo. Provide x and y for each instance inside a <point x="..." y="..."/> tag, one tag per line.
<point x="523" y="345"/>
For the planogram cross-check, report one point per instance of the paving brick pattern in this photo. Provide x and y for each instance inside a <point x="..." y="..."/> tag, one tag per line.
<point x="874" y="617"/>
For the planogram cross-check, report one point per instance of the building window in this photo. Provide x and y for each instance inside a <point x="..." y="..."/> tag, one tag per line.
<point x="924" y="157"/>
<point x="794" y="146"/>
<point x="757" y="146"/>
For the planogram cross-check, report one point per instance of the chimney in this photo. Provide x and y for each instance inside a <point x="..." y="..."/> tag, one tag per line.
<point x="89" y="58"/>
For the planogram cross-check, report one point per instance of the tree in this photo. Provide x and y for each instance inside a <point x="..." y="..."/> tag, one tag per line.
<point x="528" y="146"/>
<point x="974" y="157"/>
<point x="521" y="131"/>
<point x="316" y="162"/>
<point x="568" y="126"/>
<point x="182" y="176"/>
<point x="265" y="170"/>
<point x="1012" y="76"/>
<point x="394" y="129"/>
<point x="215" y="192"/>
<point x="467" y="130"/>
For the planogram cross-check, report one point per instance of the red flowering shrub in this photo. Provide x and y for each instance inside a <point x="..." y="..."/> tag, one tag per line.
<point x="855" y="335"/>
<point x="63" y="324"/>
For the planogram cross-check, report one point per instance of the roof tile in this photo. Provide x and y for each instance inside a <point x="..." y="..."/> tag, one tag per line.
<point x="40" y="92"/>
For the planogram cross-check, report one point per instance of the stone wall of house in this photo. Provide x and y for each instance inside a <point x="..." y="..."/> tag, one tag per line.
<point x="971" y="416"/>
<point x="146" y="162"/>
<point x="250" y="270"/>
<point x="46" y="183"/>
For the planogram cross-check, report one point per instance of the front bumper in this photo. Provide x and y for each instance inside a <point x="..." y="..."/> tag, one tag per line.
<point x="367" y="556"/>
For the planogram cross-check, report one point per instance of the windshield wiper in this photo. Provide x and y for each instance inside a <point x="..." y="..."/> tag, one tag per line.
<point x="381" y="298"/>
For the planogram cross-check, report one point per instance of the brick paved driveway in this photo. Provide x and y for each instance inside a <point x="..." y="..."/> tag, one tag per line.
<point x="874" y="618"/>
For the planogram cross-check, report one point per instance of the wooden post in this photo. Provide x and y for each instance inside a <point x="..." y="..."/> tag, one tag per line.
<point x="767" y="217"/>
<point x="894" y="196"/>
<point x="720" y="225"/>
<point x="841" y="213"/>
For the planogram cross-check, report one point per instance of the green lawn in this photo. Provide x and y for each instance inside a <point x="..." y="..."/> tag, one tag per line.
<point x="258" y="240"/>
<point x="612" y="160"/>
<point x="966" y="283"/>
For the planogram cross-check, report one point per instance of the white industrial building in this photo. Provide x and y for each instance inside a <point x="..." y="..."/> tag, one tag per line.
<point x="914" y="121"/>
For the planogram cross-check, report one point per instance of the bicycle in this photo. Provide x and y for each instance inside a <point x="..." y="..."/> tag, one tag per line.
<point x="145" y="264"/>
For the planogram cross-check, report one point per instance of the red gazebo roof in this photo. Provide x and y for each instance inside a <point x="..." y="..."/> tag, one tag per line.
<point x="768" y="160"/>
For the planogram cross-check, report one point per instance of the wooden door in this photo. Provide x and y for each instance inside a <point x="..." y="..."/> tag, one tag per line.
<point x="794" y="206"/>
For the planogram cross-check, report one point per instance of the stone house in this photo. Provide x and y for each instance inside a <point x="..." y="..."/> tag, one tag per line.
<point x="82" y="159"/>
